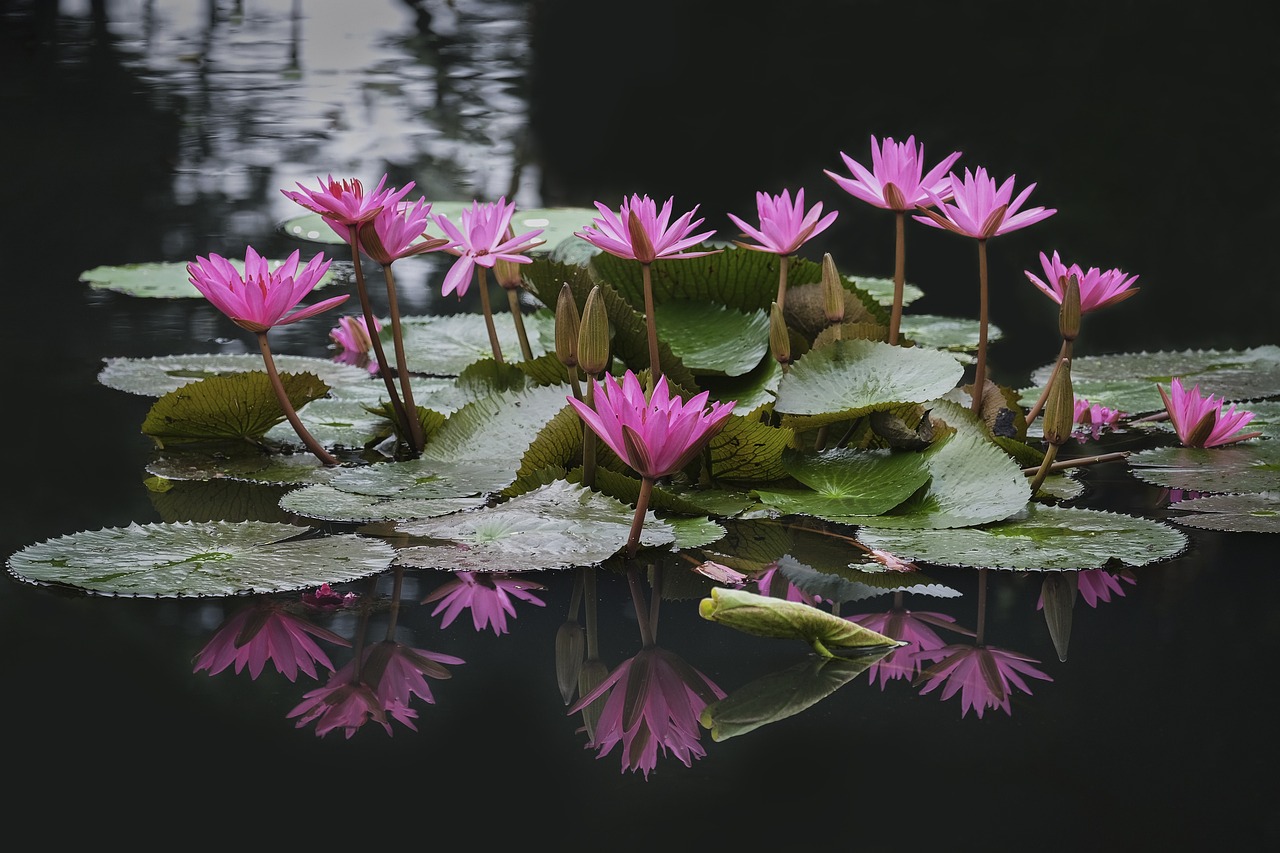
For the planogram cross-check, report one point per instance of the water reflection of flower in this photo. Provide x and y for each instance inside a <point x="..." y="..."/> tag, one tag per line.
<point x="262" y="631"/>
<point x="772" y="583"/>
<point x="653" y="700"/>
<point x="915" y="628"/>
<point x="1094" y="585"/>
<point x="488" y="595"/>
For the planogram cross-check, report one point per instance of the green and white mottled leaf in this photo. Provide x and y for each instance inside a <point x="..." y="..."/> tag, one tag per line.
<point x="155" y="377"/>
<point x="325" y="503"/>
<point x="199" y="559"/>
<point x="1041" y="538"/>
<point x="1250" y="466"/>
<point x="1248" y="513"/>
<point x="165" y="280"/>
<point x="444" y="345"/>
<point x="954" y="334"/>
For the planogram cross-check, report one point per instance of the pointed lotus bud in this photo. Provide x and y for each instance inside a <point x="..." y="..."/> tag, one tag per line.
<point x="779" y="339"/>
<point x="567" y="326"/>
<point x="1060" y="406"/>
<point x="1069" y="316"/>
<point x="1058" y="592"/>
<point x="593" y="336"/>
<point x="641" y="245"/>
<point x="832" y="290"/>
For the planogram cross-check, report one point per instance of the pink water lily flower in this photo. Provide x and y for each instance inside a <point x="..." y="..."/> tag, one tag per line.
<point x="654" y="703"/>
<point x="490" y="597"/>
<point x="653" y="236"/>
<point x="261" y="297"/>
<point x="656" y="436"/>
<point x="481" y="238"/>
<point x="982" y="207"/>
<point x="784" y="226"/>
<point x="896" y="179"/>
<point x="985" y="676"/>
<point x="399" y="231"/>
<point x="343" y="204"/>
<point x="915" y="628"/>
<point x="1098" y="289"/>
<point x="263" y="632"/>
<point x="1203" y="421"/>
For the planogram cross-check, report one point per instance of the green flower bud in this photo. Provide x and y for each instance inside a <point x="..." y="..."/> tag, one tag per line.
<point x="1060" y="406"/>
<point x="593" y="337"/>
<point x="779" y="338"/>
<point x="567" y="328"/>
<point x="832" y="290"/>
<point x="1069" y="316"/>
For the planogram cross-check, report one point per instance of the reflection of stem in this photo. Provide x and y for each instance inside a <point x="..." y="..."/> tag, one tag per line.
<point x="307" y="438"/>
<point x="589" y="440"/>
<point x="651" y="322"/>
<point x="655" y="601"/>
<point x="383" y="368"/>
<point x="589" y="593"/>
<point x="1063" y="352"/>
<point x="397" y="585"/>
<point x="411" y="408"/>
<point x="637" y="520"/>
<point x="982" y="607"/>
<point x="980" y="370"/>
<point x="637" y="599"/>
<point x="899" y="275"/>
<point x="783" y="263"/>
<point x="575" y="598"/>
<point x="513" y="299"/>
<point x="483" y="276"/>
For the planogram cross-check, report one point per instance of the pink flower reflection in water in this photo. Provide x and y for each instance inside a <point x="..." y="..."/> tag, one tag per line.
<point x="909" y="626"/>
<point x="983" y="675"/>
<point x="489" y="595"/>
<point x="265" y="631"/>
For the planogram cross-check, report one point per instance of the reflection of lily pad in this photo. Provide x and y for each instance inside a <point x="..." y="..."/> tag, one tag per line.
<point x="1043" y="538"/>
<point x="199" y="559"/>
<point x="1253" y="513"/>
<point x="167" y="280"/>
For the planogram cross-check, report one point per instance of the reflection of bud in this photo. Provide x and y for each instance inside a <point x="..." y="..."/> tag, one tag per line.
<point x="593" y="337"/>
<point x="592" y="675"/>
<point x="779" y="339"/>
<point x="567" y="326"/>
<point x="1060" y="406"/>
<point x="571" y="644"/>
<point x="1058" y="597"/>
<point x="832" y="291"/>
<point x="1069" y="315"/>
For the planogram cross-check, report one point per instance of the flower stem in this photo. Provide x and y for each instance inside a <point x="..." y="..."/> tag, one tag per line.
<point x="899" y="275"/>
<point x="1045" y="464"/>
<point x="411" y="408"/>
<point x="783" y="263"/>
<point x="307" y="438"/>
<point x="513" y="299"/>
<point x="383" y="368"/>
<point x="1063" y="352"/>
<point x="637" y="521"/>
<point x="655" y="367"/>
<point x="483" y="277"/>
<point x="589" y="440"/>
<point x="1078" y="462"/>
<point x="980" y="370"/>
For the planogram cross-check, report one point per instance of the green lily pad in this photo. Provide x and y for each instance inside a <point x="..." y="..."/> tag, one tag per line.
<point x="155" y="377"/>
<point x="1041" y="538"/>
<point x="713" y="339"/>
<point x="165" y="280"/>
<point x="1250" y="466"/>
<point x="1250" y="513"/>
<point x="325" y="503"/>
<point x="239" y="406"/>
<point x="847" y="482"/>
<point x="881" y="290"/>
<point x="445" y="345"/>
<point x="954" y="334"/>
<point x="199" y="559"/>
<point x="558" y="526"/>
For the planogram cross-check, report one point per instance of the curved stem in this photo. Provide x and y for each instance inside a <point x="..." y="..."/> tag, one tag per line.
<point x="307" y="438"/>
<point x="513" y="300"/>
<point x="655" y="366"/>
<point x="483" y="276"/>
<point x="637" y="521"/>
<point x="980" y="370"/>
<point x="383" y="367"/>
<point x="899" y="275"/>
<point x="1046" y="464"/>
<point x="411" y="408"/>
<point x="783" y="263"/>
<point x="1063" y="352"/>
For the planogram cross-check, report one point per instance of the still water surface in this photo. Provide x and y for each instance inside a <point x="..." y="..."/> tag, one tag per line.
<point x="163" y="130"/>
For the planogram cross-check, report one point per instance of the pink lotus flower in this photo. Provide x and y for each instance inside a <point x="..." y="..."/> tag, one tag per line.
<point x="652" y="236"/>
<point x="343" y="204"/>
<point x="352" y="335"/>
<point x="399" y="231"/>
<point x="914" y="629"/>
<point x="982" y="209"/>
<point x="985" y="676"/>
<point x="1202" y="421"/>
<point x="784" y="227"/>
<point x="896" y="180"/>
<point x="654" y="702"/>
<point x="1098" y="289"/>
<point x="1094" y="414"/>
<point x="1094" y="585"/>
<point x="489" y="595"/>
<point x="657" y="436"/>
<point x="264" y="631"/>
<point x="379" y="687"/>
<point x="481" y="238"/>
<point x="262" y="297"/>
<point x="326" y="598"/>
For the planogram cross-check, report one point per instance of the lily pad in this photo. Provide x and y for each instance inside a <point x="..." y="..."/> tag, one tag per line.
<point x="841" y="584"/>
<point x="847" y="482"/>
<point x="199" y="559"/>
<point x="165" y="280"/>
<point x="954" y="334"/>
<point x="1250" y="466"/>
<point x="155" y="377"/>
<point x="444" y="345"/>
<point x="325" y="503"/>
<point x="713" y="339"/>
<point x="1041" y="538"/>
<point x="1251" y="513"/>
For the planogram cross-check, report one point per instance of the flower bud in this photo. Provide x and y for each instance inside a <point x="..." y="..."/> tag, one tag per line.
<point x="567" y="328"/>
<point x="1203" y="429"/>
<point x="1060" y="406"/>
<point x="593" y="337"/>
<point x="1069" y="315"/>
<point x="641" y="245"/>
<point x="832" y="290"/>
<point x="779" y="338"/>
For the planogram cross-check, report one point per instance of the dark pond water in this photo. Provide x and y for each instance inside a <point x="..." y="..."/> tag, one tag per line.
<point x="153" y="131"/>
